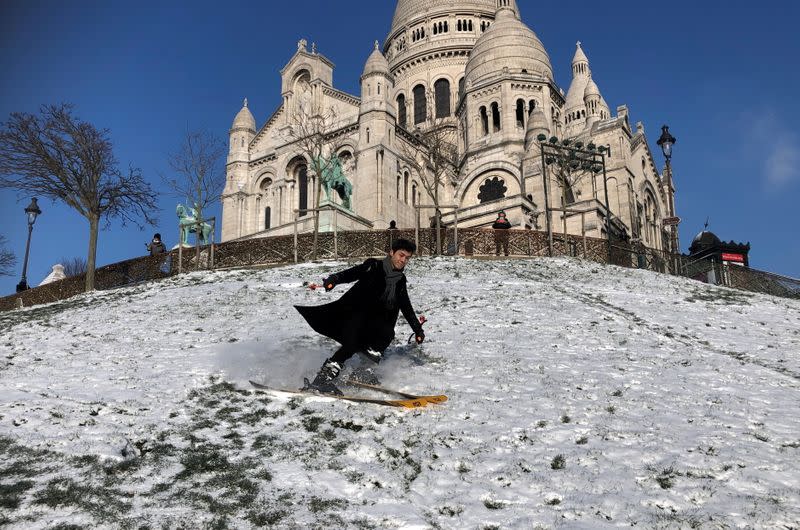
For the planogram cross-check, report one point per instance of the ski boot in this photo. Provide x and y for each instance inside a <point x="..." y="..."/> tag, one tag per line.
<point x="323" y="382"/>
<point x="373" y="355"/>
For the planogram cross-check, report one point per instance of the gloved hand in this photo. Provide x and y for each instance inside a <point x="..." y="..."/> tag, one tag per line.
<point x="420" y="336"/>
<point x="329" y="283"/>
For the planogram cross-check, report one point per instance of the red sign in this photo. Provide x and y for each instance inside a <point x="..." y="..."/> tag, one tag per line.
<point x="732" y="257"/>
<point x="671" y="221"/>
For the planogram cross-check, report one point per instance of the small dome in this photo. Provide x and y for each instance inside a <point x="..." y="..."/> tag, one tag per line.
<point x="591" y="89"/>
<point x="244" y="119"/>
<point x="705" y="239"/>
<point x="508" y="43"/>
<point x="538" y="122"/>
<point x="376" y="63"/>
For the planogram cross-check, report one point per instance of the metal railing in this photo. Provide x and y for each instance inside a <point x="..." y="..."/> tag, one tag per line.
<point x="358" y="244"/>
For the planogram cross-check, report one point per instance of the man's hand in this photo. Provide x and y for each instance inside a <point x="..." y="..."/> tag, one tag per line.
<point x="329" y="283"/>
<point x="420" y="337"/>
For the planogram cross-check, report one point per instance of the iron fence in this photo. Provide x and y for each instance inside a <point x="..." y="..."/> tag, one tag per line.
<point x="347" y="245"/>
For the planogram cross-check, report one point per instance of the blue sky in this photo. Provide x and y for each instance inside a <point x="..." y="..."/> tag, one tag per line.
<point x="723" y="78"/>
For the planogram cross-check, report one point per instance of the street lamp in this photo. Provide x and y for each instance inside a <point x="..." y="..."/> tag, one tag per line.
<point x="32" y="211"/>
<point x="572" y="158"/>
<point x="665" y="142"/>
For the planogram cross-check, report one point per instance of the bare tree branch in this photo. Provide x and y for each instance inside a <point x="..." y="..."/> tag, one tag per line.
<point x="314" y="129"/>
<point x="7" y="259"/>
<point x="73" y="266"/>
<point x="431" y="151"/>
<point x="57" y="156"/>
<point x="198" y="170"/>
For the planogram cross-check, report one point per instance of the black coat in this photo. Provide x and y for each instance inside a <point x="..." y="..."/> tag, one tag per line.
<point x="359" y="319"/>
<point x="501" y="224"/>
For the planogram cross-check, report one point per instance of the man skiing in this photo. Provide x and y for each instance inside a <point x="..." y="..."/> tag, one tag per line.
<point x="363" y="319"/>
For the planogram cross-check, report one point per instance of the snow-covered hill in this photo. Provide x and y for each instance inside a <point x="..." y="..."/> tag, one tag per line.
<point x="581" y="396"/>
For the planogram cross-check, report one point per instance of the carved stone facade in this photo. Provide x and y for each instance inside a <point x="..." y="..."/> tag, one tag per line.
<point x="475" y="65"/>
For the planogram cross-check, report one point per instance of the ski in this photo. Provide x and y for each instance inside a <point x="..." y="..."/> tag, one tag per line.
<point x="431" y="398"/>
<point x="410" y="402"/>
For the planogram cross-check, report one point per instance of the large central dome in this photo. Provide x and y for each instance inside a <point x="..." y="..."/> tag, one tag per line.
<point x="408" y="11"/>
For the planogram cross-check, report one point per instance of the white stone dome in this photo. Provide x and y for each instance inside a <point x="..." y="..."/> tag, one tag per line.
<point x="591" y="89"/>
<point x="508" y="43"/>
<point x="408" y="11"/>
<point x="376" y="63"/>
<point x="244" y="119"/>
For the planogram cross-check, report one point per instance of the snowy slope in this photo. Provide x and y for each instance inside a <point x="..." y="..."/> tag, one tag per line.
<point x="581" y="396"/>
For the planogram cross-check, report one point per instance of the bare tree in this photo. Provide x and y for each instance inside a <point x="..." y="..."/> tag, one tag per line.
<point x="315" y="131"/>
<point x="432" y="152"/>
<point x="73" y="266"/>
<point x="56" y="155"/>
<point x="198" y="170"/>
<point x="7" y="259"/>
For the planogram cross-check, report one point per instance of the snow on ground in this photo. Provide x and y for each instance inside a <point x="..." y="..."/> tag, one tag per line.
<point x="581" y="396"/>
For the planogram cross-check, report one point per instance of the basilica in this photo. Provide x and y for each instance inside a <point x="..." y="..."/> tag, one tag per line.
<point x="470" y="67"/>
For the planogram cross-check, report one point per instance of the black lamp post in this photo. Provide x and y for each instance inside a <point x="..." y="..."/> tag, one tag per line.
<point x="665" y="142"/>
<point x="571" y="157"/>
<point x="32" y="211"/>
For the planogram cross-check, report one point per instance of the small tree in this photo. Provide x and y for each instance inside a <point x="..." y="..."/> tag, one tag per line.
<point x="313" y="129"/>
<point x="7" y="259"/>
<point x="198" y="170"/>
<point x="56" y="155"/>
<point x="432" y="152"/>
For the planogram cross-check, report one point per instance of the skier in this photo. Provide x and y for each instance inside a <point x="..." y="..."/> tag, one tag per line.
<point x="363" y="319"/>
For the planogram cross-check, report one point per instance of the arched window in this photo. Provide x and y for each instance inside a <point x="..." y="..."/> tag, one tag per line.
<point x="520" y="113"/>
<point x="367" y="134"/>
<point x="492" y="189"/>
<point x="531" y="106"/>
<point x="414" y="194"/>
<point x="496" y="126"/>
<point x="484" y="121"/>
<point x="302" y="189"/>
<point x="470" y="25"/>
<point x="442" y="91"/>
<point x="397" y="191"/>
<point x="405" y="188"/>
<point x="420" y="105"/>
<point x="458" y="26"/>
<point x="401" y="110"/>
<point x="267" y="218"/>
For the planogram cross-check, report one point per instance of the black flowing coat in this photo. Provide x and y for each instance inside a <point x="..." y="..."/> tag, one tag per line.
<point x="359" y="319"/>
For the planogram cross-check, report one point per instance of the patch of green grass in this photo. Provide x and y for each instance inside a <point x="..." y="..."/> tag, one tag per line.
<point x="203" y="459"/>
<point x="349" y="425"/>
<point x="559" y="462"/>
<point x="102" y="502"/>
<point x="312" y="423"/>
<point x="665" y="478"/>
<point x="317" y="504"/>
<point x="583" y="440"/>
<point x="565" y="418"/>
<point x="11" y="494"/>
<point x="450" y="511"/>
<point x="493" y="504"/>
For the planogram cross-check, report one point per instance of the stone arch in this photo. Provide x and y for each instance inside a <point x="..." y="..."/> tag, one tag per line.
<point x="298" y="170"/>
<point x="469" y="189"/>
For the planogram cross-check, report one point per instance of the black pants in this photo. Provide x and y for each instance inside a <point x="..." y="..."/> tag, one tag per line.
<point x="344" y="353"/>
